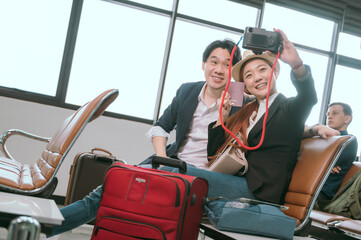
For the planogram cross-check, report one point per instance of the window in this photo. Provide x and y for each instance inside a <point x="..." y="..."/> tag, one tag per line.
<point x="121" y="44"/>
<point x="185" y="64"/>
<point x="318" y="64"/>
<point x="346" y="88"/>
<point x="190" y="40"/>
<point x="349" y="45"/>
<point x="115" y="49"/>
<point x="298" y="26"/>
<point x="222" y="12"/>
<point x="165" y="4"/>
<point x="32" y="43"/>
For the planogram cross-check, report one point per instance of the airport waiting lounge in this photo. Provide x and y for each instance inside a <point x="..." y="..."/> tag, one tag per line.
<point x="96" y="94"/>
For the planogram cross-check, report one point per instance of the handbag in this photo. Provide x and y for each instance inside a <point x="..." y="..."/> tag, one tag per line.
<point x="251" y="217"/>
<point x="231" y="160"/>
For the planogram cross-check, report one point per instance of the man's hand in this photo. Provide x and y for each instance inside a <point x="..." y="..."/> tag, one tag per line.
<point x="336" y="169"/>
<point x="226" y="108"/>
<point x="325" y="131"/>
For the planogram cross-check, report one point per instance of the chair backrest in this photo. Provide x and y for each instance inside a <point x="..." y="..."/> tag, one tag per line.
<point x="356" y="166"/>
<point x="62" y="141"/>
<point x="38" y="175"/>
<point x="316" y="160"/>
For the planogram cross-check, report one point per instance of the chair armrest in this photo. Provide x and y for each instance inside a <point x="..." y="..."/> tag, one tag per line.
<point x="12" y="132"/>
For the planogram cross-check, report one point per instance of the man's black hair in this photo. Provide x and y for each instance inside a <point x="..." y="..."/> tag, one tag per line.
<point x="224" y="44"/>
<point x="346" y="108"/>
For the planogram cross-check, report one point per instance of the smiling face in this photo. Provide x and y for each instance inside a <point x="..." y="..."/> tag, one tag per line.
<point x="337" y="119"/>
<point x="256" y="74"/>
<point x="216" y="68"/>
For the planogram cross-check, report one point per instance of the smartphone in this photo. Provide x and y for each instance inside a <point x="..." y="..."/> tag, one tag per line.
<point x="235" y="90"/>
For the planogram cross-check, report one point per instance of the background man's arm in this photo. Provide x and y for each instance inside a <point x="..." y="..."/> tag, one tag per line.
<point x="319" y="130"/>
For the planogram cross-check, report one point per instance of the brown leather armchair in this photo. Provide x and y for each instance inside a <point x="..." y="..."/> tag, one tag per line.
<point x="335" y="226"/>
<point x="38" y="178"/>
<point x="316" y="159"/>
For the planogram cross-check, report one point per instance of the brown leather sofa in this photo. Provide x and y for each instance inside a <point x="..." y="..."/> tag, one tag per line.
<point x="327" y="225"/>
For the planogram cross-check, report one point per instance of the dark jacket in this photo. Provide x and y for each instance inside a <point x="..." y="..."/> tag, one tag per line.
<point x="344" y="162"/>
<point x="178" y="115"/>
<point x="271" y="165"/>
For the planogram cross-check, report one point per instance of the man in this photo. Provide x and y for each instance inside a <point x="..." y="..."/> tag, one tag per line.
<point x="194" y="107"/>
<point x="339" y="116"/>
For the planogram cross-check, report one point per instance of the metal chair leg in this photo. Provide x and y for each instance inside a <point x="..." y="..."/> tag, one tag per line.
<point x="24" y="228"/>
<point x="201" y="235"/>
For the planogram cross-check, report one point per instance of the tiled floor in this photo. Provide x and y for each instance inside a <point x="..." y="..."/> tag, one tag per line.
<point x="84" y="233"/>
<point x="81" y="233"/>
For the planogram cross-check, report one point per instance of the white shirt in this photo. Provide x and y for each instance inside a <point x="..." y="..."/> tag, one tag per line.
<point x="194" y="148"/>
<point x="261" y="111"/>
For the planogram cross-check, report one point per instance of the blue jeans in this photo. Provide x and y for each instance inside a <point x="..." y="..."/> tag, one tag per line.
<point x="85" y="210"/>
<point x="219" y="184"/>
<point x="79" y="212"/>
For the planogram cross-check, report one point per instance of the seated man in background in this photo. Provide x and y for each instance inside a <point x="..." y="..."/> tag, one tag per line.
<point x="339" y="116"/>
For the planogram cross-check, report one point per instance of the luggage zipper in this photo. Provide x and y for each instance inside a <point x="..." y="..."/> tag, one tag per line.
<point x="127" y="220"/>
<point x="177" y="202"/>
<point x="187" y="186"/>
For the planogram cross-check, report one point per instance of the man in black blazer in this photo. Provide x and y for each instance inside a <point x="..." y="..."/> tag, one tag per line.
<point x="194" y="107"/>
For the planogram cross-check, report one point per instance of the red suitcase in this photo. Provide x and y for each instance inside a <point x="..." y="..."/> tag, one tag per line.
<point x="144" y="203"/>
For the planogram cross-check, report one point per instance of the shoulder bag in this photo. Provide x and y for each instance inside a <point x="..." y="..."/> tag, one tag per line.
<point x="231" y="160"/>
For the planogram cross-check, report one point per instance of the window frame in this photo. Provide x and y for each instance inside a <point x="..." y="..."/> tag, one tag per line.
<point x="71" y="36"/>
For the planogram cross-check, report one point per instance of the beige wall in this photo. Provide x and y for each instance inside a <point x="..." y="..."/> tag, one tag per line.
<point x="125" y="139"/>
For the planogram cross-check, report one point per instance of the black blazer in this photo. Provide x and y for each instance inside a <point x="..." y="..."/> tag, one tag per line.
<point x="178" y="115"/>
<point x="271" y="165"/>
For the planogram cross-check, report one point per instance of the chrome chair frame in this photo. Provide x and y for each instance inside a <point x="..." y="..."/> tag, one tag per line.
<point x="97" y="107"/>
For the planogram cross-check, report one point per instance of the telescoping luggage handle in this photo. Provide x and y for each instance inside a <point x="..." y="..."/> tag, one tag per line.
<point x="101" y="152"/>
<point x="171" y="162"/>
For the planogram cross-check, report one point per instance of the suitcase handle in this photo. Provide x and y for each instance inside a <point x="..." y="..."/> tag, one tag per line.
<point x="102" y="150"/>
<point x="171" y="162"/>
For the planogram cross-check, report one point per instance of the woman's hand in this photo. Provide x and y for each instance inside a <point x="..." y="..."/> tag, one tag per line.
<point x="290" y="55"/>
<point x="289" y="52"/>
<point x="226" y="108"/>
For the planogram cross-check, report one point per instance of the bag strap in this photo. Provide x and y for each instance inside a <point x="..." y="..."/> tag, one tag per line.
<point x="254" y="201"/>
<point x="248" y="200"/>
<point x="245" y="162"/>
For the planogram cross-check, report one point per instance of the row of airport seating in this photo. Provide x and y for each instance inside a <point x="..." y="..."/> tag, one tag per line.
<point x="336" y="226"/>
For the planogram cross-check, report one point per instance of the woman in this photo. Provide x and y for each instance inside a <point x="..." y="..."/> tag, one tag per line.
<point x="271" y="165"/>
